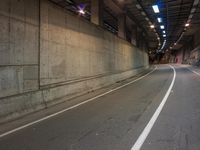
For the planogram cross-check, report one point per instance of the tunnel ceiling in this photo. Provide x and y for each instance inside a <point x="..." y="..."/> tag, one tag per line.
<point x="174" y="13"/>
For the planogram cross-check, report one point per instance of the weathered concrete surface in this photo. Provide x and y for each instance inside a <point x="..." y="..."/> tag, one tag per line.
<point x="19" y="26"/>
<point x="48" y="56"/>
<point x="189" y="53"/>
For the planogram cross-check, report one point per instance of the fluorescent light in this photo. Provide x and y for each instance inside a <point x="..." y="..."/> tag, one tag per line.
<point x="164" y="35"/>
<point x="143" y="13"/>
<point x="152" y="26"/>
<point x="164" y="31"/>
<point x="155" y="8"/>
<point x="195" y="2"/>
<point x="159" y="20"/>
<point x="81" y="11"/>
<point x="164" y="43"/>
<point x="138" y="6"/>
<point x="193" y="10"/>
<point x="187" y="25"/>
<point x="162" y="27"/>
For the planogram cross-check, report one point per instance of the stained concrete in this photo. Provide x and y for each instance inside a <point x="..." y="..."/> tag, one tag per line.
<point x="48" y="54"/>
<point x="19" y="26"/>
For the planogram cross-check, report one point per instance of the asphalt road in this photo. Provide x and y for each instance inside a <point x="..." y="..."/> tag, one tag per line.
<point x="116" y="120"/>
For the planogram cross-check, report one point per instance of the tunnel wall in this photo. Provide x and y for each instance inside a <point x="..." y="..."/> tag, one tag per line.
<point x="189" y="53"/>
<point x="48" y="55"/>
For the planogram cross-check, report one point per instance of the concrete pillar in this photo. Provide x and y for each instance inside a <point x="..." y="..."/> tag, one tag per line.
<point x="122" y="26"/>
<point x="97" y="12"/>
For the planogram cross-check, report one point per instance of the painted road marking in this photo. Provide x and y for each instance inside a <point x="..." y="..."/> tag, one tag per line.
<point x="64" y="110"/>
<point x="138" y="144"/>
<point x="195" y="72"/>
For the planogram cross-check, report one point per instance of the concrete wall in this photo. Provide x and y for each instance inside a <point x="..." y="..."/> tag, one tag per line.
<point x="195" y="53"/>
<point x="19" y="26"/>
<point x="189" y="53"/>
<point x="48" y="55"/>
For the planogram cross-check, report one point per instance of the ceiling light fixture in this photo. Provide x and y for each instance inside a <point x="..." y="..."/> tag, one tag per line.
<point x="152" y="26"/>
<point x="159" y="20"/>
<point x="196" y="2"/>
<point x="164" y="43"/>
<point x="138" y="6"/>
<point x="155" y="8"/>
<point x="162" y="27"/>
<point x="143" y="13"/>
<point x="81" y="11"/>
<point x="187" y="25"/>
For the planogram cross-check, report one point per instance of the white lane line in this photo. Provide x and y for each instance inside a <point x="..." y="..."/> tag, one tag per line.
<point x="64" y="110"/>
<point x="138" y="144"/>
<point x="195" y="72"/>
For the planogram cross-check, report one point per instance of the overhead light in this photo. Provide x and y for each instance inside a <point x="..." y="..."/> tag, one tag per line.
<point x="164" y="31"/>
<point x="195" y="2"/>
<point x="174" y="43"/>
<point x="138" y="6"/>
<point x="164" y="35"/>
<point x="152" y="26"/>
<point x="163" y="45"/>
<point x="159" y="20"/>
<point x="193" y="10"/>
<point x="187" y="25"/>
<point x="143" y="13"/>
<point x="81" y="11"/>
<point x="155" y="8"/>
<point x="162" y="27"/>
